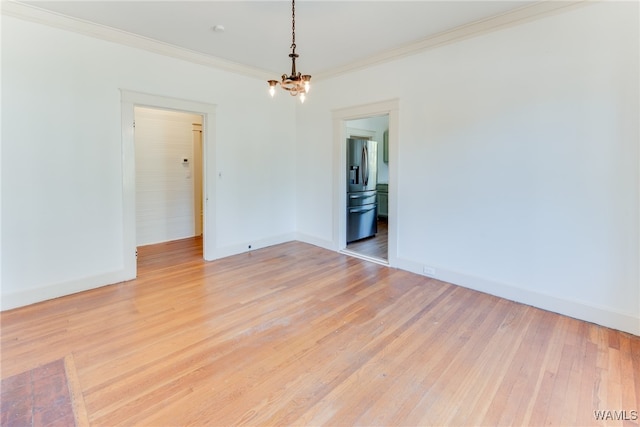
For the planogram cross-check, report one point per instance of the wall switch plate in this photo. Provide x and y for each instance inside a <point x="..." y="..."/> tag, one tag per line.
<point x="429" y="271"/>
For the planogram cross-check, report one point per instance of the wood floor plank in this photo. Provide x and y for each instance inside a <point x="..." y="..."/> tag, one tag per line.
<point x="298" y="335"/>
<point x="628" y="394"/>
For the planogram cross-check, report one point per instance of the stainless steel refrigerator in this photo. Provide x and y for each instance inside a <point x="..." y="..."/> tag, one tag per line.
<point x="362" y="209"/>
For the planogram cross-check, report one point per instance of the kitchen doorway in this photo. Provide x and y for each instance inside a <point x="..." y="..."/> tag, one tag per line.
<point x="373" y="243"/>
<point x="341" y="117"/>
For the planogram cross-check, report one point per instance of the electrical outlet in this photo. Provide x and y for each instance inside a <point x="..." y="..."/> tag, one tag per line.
<point x="429" y="271"/>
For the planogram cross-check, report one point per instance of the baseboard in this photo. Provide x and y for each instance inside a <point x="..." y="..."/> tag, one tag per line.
<point x="43" y="293"/>
<point x="316" y="241"/>
<point x="250" y="246"/>
<point x="604" y="316"/>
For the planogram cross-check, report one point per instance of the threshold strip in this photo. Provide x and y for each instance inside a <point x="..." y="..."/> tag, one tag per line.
<point x="365" y="257"/>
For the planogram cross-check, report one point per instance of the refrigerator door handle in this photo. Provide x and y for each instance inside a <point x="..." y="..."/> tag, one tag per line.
<point x="365" y="165"/>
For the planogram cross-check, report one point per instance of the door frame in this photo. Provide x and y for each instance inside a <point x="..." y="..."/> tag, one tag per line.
<point x="198" y="178"/>
<point x="340" y="119"/>
<point x="130" y="100"/>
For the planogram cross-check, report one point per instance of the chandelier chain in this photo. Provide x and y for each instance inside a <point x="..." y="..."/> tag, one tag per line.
<point x="293" y="25"/>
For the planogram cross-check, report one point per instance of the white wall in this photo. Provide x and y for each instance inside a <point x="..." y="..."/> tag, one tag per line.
<point x="62" y="188"/>
<point x="165" y="207"/>
<point x="517" y="161"/>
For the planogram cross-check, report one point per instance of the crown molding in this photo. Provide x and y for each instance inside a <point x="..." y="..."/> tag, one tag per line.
<point x="45" y="17"/>
<point x="517" y="16"/>
<point x="512" y="18"/>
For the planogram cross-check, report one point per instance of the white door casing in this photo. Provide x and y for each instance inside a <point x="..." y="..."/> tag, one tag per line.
<point x="129" y="100"/>
<point x="197" y="179"/>
<point x="340" y="117"/>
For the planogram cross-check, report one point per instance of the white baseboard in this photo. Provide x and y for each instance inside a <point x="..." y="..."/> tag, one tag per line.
<point x="244" y="247"/>
<point x="604" y="316"/>
<point x="316" y="241"/>
<point x="43" y="293"/>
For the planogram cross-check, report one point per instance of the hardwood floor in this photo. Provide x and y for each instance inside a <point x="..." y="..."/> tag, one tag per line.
<point x="376" y="246"/>
<point x="298" y="335"/>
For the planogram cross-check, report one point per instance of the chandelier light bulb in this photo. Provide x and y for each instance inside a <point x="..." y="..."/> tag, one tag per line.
<point x="272" y="87"/>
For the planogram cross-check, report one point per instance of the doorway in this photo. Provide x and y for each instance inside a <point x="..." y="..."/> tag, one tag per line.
<point x="347" y="122"/>
<point x="375" y="130"/>
<point x="169" y="177"/>
<point x="130" y="100"/>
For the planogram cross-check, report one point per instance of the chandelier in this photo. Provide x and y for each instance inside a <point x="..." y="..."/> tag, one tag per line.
<point x="297" y="83"/>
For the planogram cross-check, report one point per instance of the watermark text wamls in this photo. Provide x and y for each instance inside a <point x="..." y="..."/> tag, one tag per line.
<point x="605" y="415"/>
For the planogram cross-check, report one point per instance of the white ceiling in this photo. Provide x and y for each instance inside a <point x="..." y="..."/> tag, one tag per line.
<point x="329" y="34"/>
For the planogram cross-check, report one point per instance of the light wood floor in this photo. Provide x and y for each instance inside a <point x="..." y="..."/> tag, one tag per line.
<point x="297" y="335"/>
<point x="376" y="246"/>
